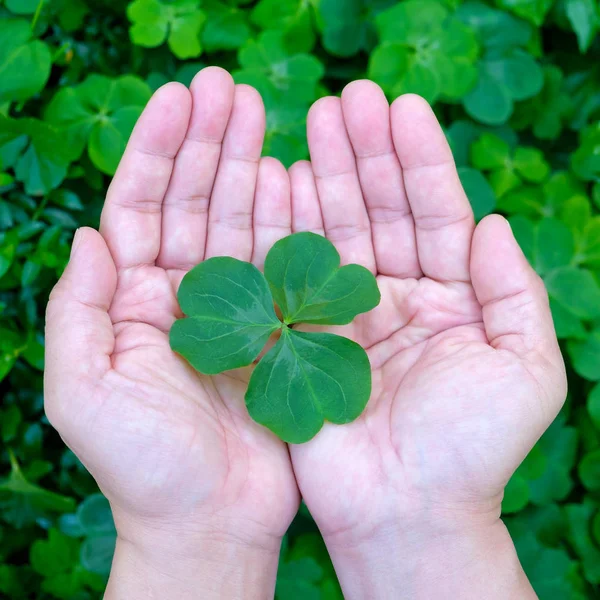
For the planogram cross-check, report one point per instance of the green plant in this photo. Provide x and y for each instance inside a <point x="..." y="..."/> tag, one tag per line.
<point x="306" y="377"/>
<point x="515" y="83"/>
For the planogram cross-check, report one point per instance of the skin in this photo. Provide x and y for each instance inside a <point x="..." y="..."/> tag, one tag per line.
<point x="467" y="373"/>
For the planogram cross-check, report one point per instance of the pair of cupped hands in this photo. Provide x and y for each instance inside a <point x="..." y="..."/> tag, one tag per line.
<point x="467" y="372"/>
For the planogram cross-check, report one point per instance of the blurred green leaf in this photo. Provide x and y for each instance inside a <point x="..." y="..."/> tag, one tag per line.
<point x="100" y="114"/>
<point x="584" y="16"/>
<point x="24" y="64"/>
<point x="178" y="22"/>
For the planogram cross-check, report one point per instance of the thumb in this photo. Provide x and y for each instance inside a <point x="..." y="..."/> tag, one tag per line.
<point x="516" y="313"/>
<point x="79" y="332"/>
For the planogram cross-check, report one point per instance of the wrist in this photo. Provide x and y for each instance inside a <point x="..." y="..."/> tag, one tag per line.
<point x="215" y="563"/>
<point x="431" y="560"/>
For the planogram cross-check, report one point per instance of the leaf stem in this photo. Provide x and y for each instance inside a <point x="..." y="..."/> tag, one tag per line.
<point x="36" y="15"/>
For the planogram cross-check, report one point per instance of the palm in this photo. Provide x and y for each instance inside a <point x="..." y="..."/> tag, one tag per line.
<point x="171" y="445"/>
<point x="456" y="363"/>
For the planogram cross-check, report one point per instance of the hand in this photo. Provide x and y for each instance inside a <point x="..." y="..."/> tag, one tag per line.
<point x="187" y="472"/>
<point x="467" y="372"/>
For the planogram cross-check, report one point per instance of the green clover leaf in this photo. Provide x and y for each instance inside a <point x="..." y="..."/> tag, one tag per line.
<point x="293" y="74"/>
<point x="24" y="64"/>
<point x="346" y="27"/>
<point x="306" y="378"/>
<point x="584" y="16"/>
<point x="36" y="152"/>
<point x="23" y="502"/>
<point x="226" y="26"/>
<point x="309" y="287"/>
<point x="579" y="519"/>
<point x="99" y="113"/>
<point x="179" y="23"/>
<point x="547" y="111"/>
<point x="533" y="11"/>
<point x="292" y="17"/>
<point x="507" y="73"/>
<point x="478" y="190"/>
<point x="586" y="159"/>
<point x="231" y="315"/>
<point x="545" y="474"/>
<point x="424" y="50"/>
<point x="585" y="355"/>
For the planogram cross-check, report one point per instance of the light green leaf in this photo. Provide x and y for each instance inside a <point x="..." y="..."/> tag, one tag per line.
<point x="178" y="22"/>
<point x="555" y="245"/>
<point x="55" y="555"/>
<point x="305" y="379"/>
<point x="584" y="16"/>
<point x="489" y="152"/>
<point x="579" y="518"/>
<point x="593" y="405"/>
<point x="516" y="494"/>
<point x="530" y="164"/>
<point x="576" y="290"/>
<point x="22" y="7"/>
<point x="567" y="325"/>
<point x="497" y="30"/>
<point x="432" y="52"/>
<point x="305" y="278"/>
<point x="534" y="11"/>
<point x="24" y="64"/>
<point x="100" y="114"/>
<point x="519" y="73"/>
<point x="586" y="159"/>
<point x="109" y="136"/>
<point x="585" y="356"/>
<point x="226" y="27"/>
<point x="292" y="17"/>
<point x="504" y="180"/>
<point x="293" y="75"/>
<point x="230" y="315"/>
<point x="489" y="101"/>
<point x="558" y="447"/>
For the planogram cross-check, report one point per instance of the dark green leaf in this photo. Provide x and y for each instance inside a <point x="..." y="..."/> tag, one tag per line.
<point x="230" y="315"/>
<point x="304" y="274"/>
<point x="305" y="379"/>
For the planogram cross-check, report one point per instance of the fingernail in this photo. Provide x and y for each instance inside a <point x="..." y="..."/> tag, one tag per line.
<point x="508" y="223"/>
<point x="76" y="241"/>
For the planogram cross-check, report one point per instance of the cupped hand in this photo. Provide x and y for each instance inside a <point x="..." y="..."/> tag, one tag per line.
<point x="174" y="452"/>
<point x="467" y="372"/>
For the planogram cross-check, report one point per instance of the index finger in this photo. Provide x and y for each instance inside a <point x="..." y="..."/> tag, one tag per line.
<point x="131" y="218"/>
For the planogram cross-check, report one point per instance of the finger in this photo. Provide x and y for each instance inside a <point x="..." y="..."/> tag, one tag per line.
<point x="441" y="211"/>
<point x="272" y="208"/>
<point x="367" y="116"/>
<point x="231" y="206"/>
<point x="306" y="210"/>
<point x="79" y="332"/>
<point x="342" y="205"/>
<point x="516" y="312"/>
<point x="185" y="207"/>
<point x="131" y="218"/>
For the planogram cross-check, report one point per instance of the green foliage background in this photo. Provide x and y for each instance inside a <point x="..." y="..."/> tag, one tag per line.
<point x="516" y="83"/>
